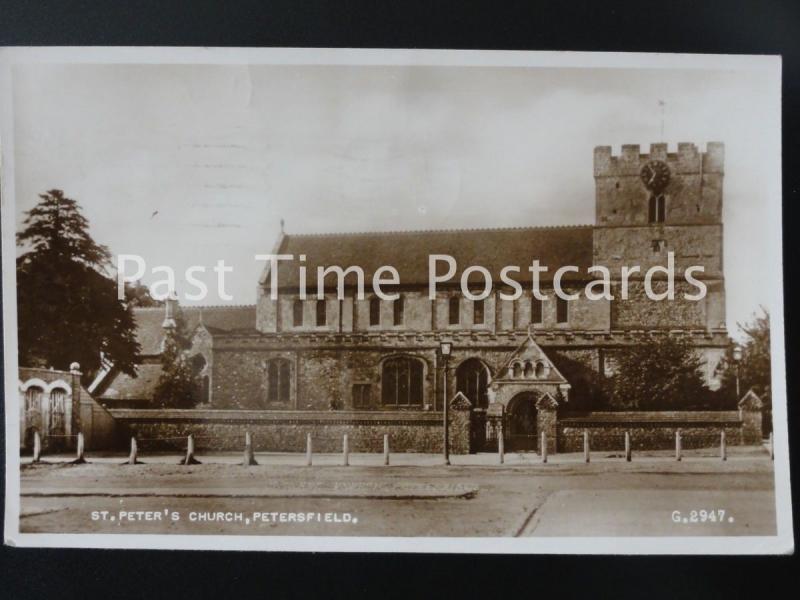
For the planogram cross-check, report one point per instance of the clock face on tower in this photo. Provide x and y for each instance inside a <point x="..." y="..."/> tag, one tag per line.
<point x="655" y="175"/>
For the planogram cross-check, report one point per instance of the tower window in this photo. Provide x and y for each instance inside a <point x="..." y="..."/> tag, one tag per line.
<point x="477" y="312"/>
<point x="658" y="245"/>
<point x="562" y="310"/>
<point x="658" y="206"/>
<point x="297" y="313"/>
<point x="322" y="317"/>
<point x="398" y="311"/>
<point x="454" y="311"/>
<point x="278" y="384"/>
<point x="536" y="310"/>
<point x="375" y="311"/>
<point x="361" y="395"/>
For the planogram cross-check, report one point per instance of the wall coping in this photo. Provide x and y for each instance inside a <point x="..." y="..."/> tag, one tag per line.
<point x="45" y="370"/>
<point x="650" y="417"/>
<point x="333" y="416"/>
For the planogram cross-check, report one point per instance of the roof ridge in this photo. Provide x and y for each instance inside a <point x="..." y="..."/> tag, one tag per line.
<point x="185" y="306"/>
<point x="202" y="306"/>
<point x="452" y="230"/>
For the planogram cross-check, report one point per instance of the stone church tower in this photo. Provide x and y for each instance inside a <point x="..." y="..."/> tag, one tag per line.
<point x="648" y="205"/>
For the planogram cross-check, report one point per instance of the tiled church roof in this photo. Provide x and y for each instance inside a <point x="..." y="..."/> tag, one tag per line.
<point x="149" y="330"/>
<point x="408" y="252"/>
<point x="125" y="387"/>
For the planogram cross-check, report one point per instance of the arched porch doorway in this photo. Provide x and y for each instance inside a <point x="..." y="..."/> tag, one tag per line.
<point x="472" y="380"/>
<point x="522" y="422"/>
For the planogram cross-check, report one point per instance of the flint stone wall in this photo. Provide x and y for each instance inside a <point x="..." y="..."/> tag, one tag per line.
<point x="280" y="431"/>
<point x="654" y="430"/>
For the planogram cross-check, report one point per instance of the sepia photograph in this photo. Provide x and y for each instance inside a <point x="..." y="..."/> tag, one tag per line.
<point x="371" y="300"/>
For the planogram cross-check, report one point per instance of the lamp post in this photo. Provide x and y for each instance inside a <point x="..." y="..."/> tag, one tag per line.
<point x="445" y="348"/>
<point x="737" y="358"/>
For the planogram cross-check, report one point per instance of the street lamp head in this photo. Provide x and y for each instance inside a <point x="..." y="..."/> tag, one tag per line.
<point x="446" y="347"/>
<point x="737" y="353"/>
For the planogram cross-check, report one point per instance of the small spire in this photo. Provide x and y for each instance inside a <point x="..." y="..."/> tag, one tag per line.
<point x="170" y="310"/>
<point x="282" y="224"/>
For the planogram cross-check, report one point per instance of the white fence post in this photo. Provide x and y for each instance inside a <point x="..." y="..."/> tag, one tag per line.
<point x="345" y="451"/>
<point x="627" y="446"/>
<point x="308" y="450"/>
<point x="249" y="458"/>
<point x="190" y="459"/>
<point x="37" y="447"/>
<point x="544" y="447"/>
<point x="501" y="447"/>
<point x="133" y="457"/>
<point x="771" y="446"/>
<point x="586" y="446"/>
<point x="723" y="449"/>
<point x="80" y="449"/>
<point x="386" y="449"/>
<point x="678" y="445"/>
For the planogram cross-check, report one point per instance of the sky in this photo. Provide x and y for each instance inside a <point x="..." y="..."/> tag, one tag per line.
<point x="188" y="164"/>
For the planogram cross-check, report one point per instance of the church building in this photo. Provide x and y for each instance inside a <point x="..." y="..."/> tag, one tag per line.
<point x="354" y="356"/>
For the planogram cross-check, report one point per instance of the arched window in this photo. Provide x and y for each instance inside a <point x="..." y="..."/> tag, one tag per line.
<point x="197" y="363"/>
<point x="375" y="311"/>
<point x="322" y="317"/>
<point x="658" y="208"/>
<point x="477" y="312"/>
<point x="536" y="310"/>
<point x="205" y="390"/>
<point x="540" y="369"/>
<point x="33" y="400"/>
<point x="297" y="313"/>
<point x="58" y="407"/>
<point x="279" y="372"/>
<point x="472" y="380"/>
<point x="528" y="369"/>
<point x="454" y="310"/>
<point x="516" y="370"/>
<point x="401" y="382"/>
<point x="33" y="413"/>
<point x="562" y="310"/>
<point x="398" y="310"/>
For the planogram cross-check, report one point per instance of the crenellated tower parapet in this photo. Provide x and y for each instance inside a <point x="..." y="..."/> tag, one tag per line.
<point x="686" y="183"/>
<point x="656" y="204"/>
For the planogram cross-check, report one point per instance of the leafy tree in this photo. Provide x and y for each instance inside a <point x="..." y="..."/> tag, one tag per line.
<point x="67" y="305"/>
<point x="662" y="373"/>
<point x="754" y="367"/>
<point x="177" y="385"/>
<point x="588" y="387"/>
<point x="137" y="295"/>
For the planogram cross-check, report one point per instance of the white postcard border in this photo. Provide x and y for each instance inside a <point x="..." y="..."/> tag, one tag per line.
<point x="781" y="543"/>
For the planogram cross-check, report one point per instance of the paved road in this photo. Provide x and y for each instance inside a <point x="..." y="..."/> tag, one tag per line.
<point x="654" y="513"/>
<point x="567" y="498"/>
